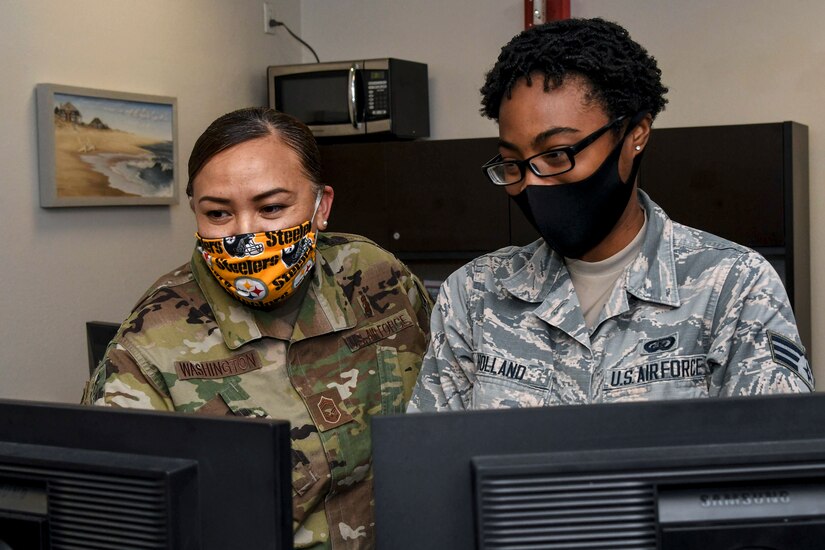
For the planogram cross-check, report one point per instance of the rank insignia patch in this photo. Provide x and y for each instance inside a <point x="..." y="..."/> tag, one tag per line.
<point x="786" y="352"/>
<point x="327" y="410"/>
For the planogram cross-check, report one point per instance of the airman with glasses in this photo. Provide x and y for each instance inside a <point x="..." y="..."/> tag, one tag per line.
<point x="615" y="301"/>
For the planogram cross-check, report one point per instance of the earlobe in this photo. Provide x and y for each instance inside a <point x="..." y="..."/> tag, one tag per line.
<point x="641" y="133"/>
<point x="324" y="208"/>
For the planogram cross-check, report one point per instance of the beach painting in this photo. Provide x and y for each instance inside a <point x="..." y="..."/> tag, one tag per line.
<point x="105" y="148"/>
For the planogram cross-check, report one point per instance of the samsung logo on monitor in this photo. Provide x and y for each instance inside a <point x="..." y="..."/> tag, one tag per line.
<point x="744" y="498"/>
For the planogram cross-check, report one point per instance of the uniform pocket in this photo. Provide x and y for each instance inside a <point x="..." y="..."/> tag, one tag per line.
<point x="683" y="377"/>
<point x="305" y="480"/>
<point x="240" y="403"/>
<point x="303" y="476"/>
<point x="494" y="392"/>
<point x="657" y="391"/>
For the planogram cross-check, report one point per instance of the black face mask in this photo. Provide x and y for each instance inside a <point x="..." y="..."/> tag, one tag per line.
<point x="575" y="217"/>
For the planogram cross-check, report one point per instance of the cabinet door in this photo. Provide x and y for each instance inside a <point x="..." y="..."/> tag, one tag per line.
<point x="357" y="174"/>
<point x="727" y="180"/>
<point x="439" y="202"/>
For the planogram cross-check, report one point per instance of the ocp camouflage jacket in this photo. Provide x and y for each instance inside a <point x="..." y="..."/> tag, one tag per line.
<point x="349" y="349"/>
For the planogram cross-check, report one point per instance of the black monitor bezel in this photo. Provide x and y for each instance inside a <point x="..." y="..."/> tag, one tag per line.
<point x="243" y="465"/>
<point x="422" y="462"/>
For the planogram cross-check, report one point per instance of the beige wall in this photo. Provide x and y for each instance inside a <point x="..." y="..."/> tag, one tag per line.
<point x="726" y="61"/>
<point x="62" y="267"/>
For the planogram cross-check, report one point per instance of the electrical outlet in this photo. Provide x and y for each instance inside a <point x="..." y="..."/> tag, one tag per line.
<point x="269" y="15"/>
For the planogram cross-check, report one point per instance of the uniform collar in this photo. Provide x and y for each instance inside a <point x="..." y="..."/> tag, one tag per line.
<point x="651" y="277"/>
<point x="324" y="309"/>
<point x="535" y="273"/>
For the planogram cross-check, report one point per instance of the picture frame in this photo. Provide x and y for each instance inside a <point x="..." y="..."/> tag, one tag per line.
<point x="105" y="148"/>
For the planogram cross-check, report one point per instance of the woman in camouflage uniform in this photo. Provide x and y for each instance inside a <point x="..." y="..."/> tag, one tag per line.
<point x="271" y="318"/>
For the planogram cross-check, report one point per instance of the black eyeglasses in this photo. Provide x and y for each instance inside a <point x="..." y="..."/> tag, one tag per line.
<point x="545" y="164"/>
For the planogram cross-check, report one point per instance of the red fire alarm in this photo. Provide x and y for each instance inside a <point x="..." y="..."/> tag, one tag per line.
<point x="537" y="12"/>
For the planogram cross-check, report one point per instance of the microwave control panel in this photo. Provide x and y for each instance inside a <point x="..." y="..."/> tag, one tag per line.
<point x="378" y="95"/>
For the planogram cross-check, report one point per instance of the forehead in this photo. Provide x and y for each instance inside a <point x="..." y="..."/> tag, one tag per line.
<point x="267" y="150"/>
<point x="531" y="110"/>
<point x="255" y="163"/>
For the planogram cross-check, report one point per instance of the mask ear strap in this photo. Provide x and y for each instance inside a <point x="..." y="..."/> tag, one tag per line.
<point x="317" y="204"/>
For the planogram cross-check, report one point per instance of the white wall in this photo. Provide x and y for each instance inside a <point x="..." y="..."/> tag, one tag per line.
<point x="63" y="267"/>
<point x="725" y="61"/>
<point x="458" y="39"/>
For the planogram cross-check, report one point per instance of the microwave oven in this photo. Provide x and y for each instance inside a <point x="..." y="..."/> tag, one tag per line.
<point x="388" y="97"/>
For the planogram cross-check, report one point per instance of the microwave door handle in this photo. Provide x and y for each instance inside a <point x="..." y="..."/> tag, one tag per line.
<point x="351" y="98"/>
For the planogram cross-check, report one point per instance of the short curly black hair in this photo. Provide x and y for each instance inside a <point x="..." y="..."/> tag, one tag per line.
<point x="623" y="77"/>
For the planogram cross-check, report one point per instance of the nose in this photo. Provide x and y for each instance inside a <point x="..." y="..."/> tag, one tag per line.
<point x="530" y="178"/>
<point x="245" y="224"/>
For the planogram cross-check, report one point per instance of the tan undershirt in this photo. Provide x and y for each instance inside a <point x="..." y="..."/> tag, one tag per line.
<point x="594" y="281"/>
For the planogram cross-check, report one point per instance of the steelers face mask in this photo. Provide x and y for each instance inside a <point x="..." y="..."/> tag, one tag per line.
<point x="261" y="269"/>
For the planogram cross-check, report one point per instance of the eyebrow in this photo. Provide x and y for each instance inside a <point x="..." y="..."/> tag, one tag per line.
<point x="540" y="138"/>
<point x="270" y="193"/>
<point x="256" y="198"/>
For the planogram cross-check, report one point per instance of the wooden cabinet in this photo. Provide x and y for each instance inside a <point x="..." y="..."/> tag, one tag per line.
<point x="357" y="174"/>
<point x="421" y="199"/>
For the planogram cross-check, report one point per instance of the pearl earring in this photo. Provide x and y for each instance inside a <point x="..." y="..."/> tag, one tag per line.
<point x="324" y="223"/>
<point x="638" y="147"/>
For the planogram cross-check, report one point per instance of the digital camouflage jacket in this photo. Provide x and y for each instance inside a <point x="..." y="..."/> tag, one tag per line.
<point x="693" y="316"/>
<point x="347" y="350"/>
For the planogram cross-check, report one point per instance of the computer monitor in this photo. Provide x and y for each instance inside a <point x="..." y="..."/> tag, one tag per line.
<point x="74" y="477"/>
<point x="713" y="474"/>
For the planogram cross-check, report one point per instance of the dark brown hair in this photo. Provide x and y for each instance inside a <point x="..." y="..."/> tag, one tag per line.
<point x="252" y="123"/>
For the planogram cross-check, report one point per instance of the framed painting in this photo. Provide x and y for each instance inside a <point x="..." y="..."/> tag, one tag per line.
<point x="103" y="148"/>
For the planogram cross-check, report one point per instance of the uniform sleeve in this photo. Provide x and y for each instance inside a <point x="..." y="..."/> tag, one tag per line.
<point x="448" y="371"/>
<point x="119" y="381"/>
<point x="421" y="302"/>
<point x="410" y="359"/>
<point x="756" y="347"/>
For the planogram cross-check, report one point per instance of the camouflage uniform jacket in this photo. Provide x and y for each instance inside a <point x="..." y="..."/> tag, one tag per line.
<point x="694" y="315"/>
<point x="351" y="349"/>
